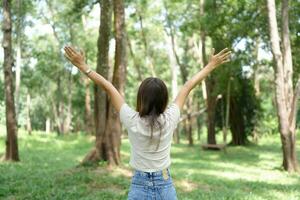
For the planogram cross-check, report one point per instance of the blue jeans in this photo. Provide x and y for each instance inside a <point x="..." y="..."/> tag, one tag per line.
<point x="151" y="185"/>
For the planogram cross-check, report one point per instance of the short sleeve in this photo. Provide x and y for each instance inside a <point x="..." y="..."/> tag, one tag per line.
<point x="172" y="114"/>
<point x="128" y="116"/>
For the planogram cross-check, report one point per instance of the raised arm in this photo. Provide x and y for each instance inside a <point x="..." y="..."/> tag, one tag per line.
<point x="215" y="60"/>
<point x="78" y="60"/>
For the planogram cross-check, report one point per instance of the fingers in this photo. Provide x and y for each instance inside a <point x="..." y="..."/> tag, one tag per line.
<point x="67" y="56"/>
<point x="221" y="57"/>
<point x="73" y="50"/>
<point x="225" y="55"/>
<point x="68" y="52"/>
<point x="222" y="52"/>
<point x="225" y="61"/>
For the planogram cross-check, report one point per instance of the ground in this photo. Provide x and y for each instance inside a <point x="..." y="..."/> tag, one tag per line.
<point x="48" y="170"/>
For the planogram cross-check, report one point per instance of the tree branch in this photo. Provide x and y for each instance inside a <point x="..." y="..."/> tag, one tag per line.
<point x="195" y="114"/>
<point x="294" y="109"/>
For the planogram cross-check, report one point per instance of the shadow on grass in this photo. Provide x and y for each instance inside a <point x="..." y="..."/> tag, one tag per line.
<point x="214" y="187"/>
<point x="47" y="171"/>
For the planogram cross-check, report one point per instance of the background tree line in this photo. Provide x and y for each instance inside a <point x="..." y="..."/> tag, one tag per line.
<point x="127" y="41"/>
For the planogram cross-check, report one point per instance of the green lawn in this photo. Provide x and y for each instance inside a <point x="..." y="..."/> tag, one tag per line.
<point x="48" y="171"/>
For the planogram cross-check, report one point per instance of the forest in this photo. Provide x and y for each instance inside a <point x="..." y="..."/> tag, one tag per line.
<point x="238" y="134"/>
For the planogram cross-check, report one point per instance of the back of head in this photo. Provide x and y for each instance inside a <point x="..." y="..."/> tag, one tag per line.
<point x="152" y="100"/>
<point x="152" y="97"/>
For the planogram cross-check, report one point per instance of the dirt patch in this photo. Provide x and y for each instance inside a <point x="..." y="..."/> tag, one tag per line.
<point x="189" y="186"/>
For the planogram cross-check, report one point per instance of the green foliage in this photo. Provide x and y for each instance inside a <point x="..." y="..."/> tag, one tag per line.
<point x="229" y="23"/>
<point x="48" y="171"/>
<point x="242" y="94"/>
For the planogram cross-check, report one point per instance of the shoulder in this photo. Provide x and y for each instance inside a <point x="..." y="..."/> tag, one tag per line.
<point x="172" y="109"/>
<point x="128" y="115"/>
<point x="172" y="113"/>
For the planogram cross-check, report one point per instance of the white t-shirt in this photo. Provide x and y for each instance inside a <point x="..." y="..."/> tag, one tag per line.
<point x="145" y="156"/>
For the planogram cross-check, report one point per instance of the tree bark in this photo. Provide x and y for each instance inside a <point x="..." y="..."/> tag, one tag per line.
<point x="207" y="85"/>
<point x="189" y="122"/>
<point x="62" y="119"/>
<point x="149" y="60"/>
<point x="114" y="126"/>
<point x="89" y="125"/>
<point x="18" y="58"/>
<point x="201" y="49"/>
<point x="28" y="118"/>
<point x="48" y="125"/>
<point x="136" y="62"/>
<point x="101" y="102"/>
<point x="68" y="120"/>
<point x="237" y="124"/>
<point x="211" y="109"/>
<point x="283" y="84"/>
<point x="184" y="75"/>
<point x="108" y="127"/>
<point x="227" y="112"/>
<point x="256" y="69"/>
<point x="11" y="152"/>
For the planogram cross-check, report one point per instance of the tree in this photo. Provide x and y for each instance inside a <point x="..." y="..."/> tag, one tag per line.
<point x="108" y="128"/>
<point x="286" y="96"/>
<point x="18" y="57"/>
<point x="11" y="152"/>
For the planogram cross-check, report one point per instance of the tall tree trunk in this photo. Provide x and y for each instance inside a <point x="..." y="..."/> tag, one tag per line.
<point x="89" y="125"/>
<point x="108" y="127"/>
<point x="211" y="111"/>
<point x="48" y="125"/>
<point x="207" y="85"/>
<point x="189" y="122"/>
<point x="114" y="127"/>
<point x="289" y="92"/>
<point x="18" y="58"/>
<point x="174" y="71"/>
<point x="28" y="118"/>
<point x="58" y="109"/>
<point x="101" y="102"/>
<point x="256" y="81"/>
<point x="227" y="111"/>
<point x="61" y="117"/>
<point x="283" y="84"/>
<point x="201" y="59"/>
<point x="136" y="61"/>
<point x="11" y="152"/>
<point x="184" y="75"/>
<point x="68" y="119"/>
<point x="237" y="125"/>
<point x="201" y="49"/>
<point x="198" y="123"/>
<point x="256" y="68"/>
<point x="149" y="60"/>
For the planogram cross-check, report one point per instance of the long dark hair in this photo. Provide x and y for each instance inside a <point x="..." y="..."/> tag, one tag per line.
<point x="152" y="100"/>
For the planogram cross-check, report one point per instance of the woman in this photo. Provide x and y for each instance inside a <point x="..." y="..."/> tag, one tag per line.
<point x="150" y="127"/>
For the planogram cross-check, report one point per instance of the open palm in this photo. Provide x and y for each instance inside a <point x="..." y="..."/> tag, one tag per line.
<point x="220" y="58"/>
<point x="75" y="57"/>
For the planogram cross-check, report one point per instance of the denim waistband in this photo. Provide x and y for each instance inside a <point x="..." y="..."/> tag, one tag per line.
<point x="151" y="174"/>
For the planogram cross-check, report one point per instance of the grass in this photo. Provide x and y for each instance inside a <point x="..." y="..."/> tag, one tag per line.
<point x="48" y="171"/>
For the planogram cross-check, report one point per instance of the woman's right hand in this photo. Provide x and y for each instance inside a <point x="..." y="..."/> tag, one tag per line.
<point x="220" y="58"/>
<point x="76" y="58"/>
